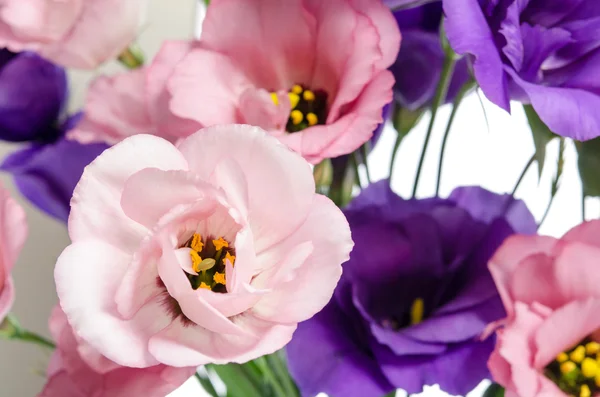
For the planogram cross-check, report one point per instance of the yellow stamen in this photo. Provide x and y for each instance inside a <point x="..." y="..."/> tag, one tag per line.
<point x="220" y="243"/>
<point x="294" y="99"/>
<point x="312" y="119"/>
<point x="597" y="379"/>
<point x="585" y="391"/>
<point x="308" y="95"/>
<point x="229" y="257"/>
<point x="219" y="278"/>
<point x="197" y="243"/>
<point x="562" y="357"/>
<point x="589" y="367"/>
<point x="416" y="311"/>
<point x="578" y="354"/>
<point x="205" y="286"/>
<point x="567" y="367"/>
<point x="297" y="89"/>
<point x="275" y="98"/>
<point x="297" y="117"/>
<point x="592" y="348"/>
<point x="196" y="260"/>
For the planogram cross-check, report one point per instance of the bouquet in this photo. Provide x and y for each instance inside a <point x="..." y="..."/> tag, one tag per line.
<point x="225" y="229"/>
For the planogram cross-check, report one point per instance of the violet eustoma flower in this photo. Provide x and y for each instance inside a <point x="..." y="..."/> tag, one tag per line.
<point x="32" y="94"/>
<point x="543" y="52"/>
<point x="208" y="251"/>
<point x="73" y="33"/>
<point x="13" y="232"/>
<point x="415" y="296"/>
<point x="77" y="370"/>
<point x="46" y="172"/>
<point x="549" y="343"/>
<point x="422" y="55"/>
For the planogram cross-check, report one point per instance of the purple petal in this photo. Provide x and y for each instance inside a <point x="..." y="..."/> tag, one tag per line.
<point x="540" y="43"/>
<point x="550" y="12"/>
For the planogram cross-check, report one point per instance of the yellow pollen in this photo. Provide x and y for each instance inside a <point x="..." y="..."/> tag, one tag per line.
<point x="562" y="357"/>
<point x="229" y="257"/>
<point x="567" y="367"/>
<point x="589" y="367"/>
<point x="308" y="95"/>
<point x="592" y="348"/>
<point x="294" y="99"/>
<point x="220" y="243"/>
<point x="585" y="391"/>
<point x="196" y="260"/>
<point x="205" y="286"/>
<point x="578" y="354"/>
<point x="197" y="243"/>
<point x="297" y="117"/>
<point x="416" y="311"/>
<point x="219" y="278"/>
<point x="297" y="89"/>
<point x="312" y="119"/>
<point x="275" y="98"/>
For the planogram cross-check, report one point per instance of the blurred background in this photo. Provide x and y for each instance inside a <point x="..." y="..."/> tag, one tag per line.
<point x="491" y="153"/>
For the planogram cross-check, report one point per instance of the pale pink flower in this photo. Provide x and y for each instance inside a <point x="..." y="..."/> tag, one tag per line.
<point x="77" y="370"/>
<point x="310" y="66"/>
<point x="13" y="232"/>
<point x="73" y="33"/>
<point x="550" y="289"/>
<point x="211" y="251"/>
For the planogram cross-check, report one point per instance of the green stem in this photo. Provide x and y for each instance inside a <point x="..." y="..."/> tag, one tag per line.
<point x="399" y="138"/>
<point x="529" y="163"/>
<point x="28" y="336"/>
<point x="132" y="57"/>
<point x="556" y="181"/>
<point x="270" y="377"/>
<point x="277" y="361"/>
<point x="207" y="385"/>
<point x="355" y="166"/>
<point x="438" y="100"/>
<point x="457" y="101"/>
<point x="583" y="204"/>
<point x="365" y="152"/>
<point x="11" y="329"/>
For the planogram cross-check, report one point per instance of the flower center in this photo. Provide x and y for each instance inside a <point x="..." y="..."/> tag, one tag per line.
<point x="577" y="371"/>
<point x="308" y="108"/>
<point x="209" y="259"/>
<point x="413" y="317"/>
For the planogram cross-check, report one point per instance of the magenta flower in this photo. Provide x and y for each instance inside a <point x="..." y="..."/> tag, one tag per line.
<point x="550" y="341"/>
<point x="211" y="251"/>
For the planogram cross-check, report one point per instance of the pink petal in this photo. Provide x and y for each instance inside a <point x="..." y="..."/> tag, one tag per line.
<point x="96" y="211"/>
<point x="545" y="290"/>
<point x="206" y="87"/>
<point x="13" y="230"/>
<point x="565" y="328"/>
<point x="284" y="29"/>
<point x="312" y="284"/>
<point x="258" y="109"/>
<point x="588" y="233"/>
<point x="87" y="276"/>
<point x="280" y="183"/>
<point x="185" y="261"/>
<point x="115" y="109"/>
<point x="7" y="297"/>
<point x="229" y="175"/>
<point x="576" y="272"/>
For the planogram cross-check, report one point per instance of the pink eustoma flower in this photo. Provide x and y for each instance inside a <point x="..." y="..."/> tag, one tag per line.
<point x="549" y="344"/>
<point x="211" y="251"/>
<point x="77" y="370"/>
<point x="13" y="232"/>
<point x="73" y="33"/>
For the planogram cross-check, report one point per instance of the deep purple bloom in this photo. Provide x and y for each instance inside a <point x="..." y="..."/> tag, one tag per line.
<point x="370" y="338"/>
<point x="419" y="65"/>
<point x="32" y="94"/>
<point x="543" y="52"/>
<point x="46" y="172"/>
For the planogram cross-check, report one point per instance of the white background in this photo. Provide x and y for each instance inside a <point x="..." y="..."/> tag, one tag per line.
<point x="491" y="158"/>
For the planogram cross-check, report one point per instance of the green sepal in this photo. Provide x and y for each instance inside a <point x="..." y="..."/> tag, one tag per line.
<point x="542" y="135"/>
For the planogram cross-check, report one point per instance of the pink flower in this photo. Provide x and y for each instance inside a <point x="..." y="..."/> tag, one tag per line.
<point x="135" y="102"/>
<point x="549" y="343"/>
<point x="77" y="370"/>
<point x="13" y="232"/>
<point x="73" y="33"/>
<point x="311" y="72"/>
<point x="211" y="251"/>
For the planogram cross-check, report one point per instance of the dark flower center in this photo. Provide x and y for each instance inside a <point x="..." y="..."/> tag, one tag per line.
<point x="209" y="258"/>
<point x="577" y="370"/>
<point x="413" y="317"/>
<point x="309" y="108"/>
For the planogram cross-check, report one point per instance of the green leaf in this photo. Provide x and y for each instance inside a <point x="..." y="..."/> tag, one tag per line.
<point x="541" y="136"/>
<point x="495" y="390"/>
<point x="206" y="384"/>
<point x="239" y="381"/>
<point x="589" y="166"/>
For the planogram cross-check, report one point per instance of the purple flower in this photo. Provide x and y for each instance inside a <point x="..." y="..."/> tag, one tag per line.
<point x="32" y="94"/>
<point x="543" y="52"/>
<point x="415" y="296"/>
<point x="46" y="172"/>
<point x="419" y="65"/>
